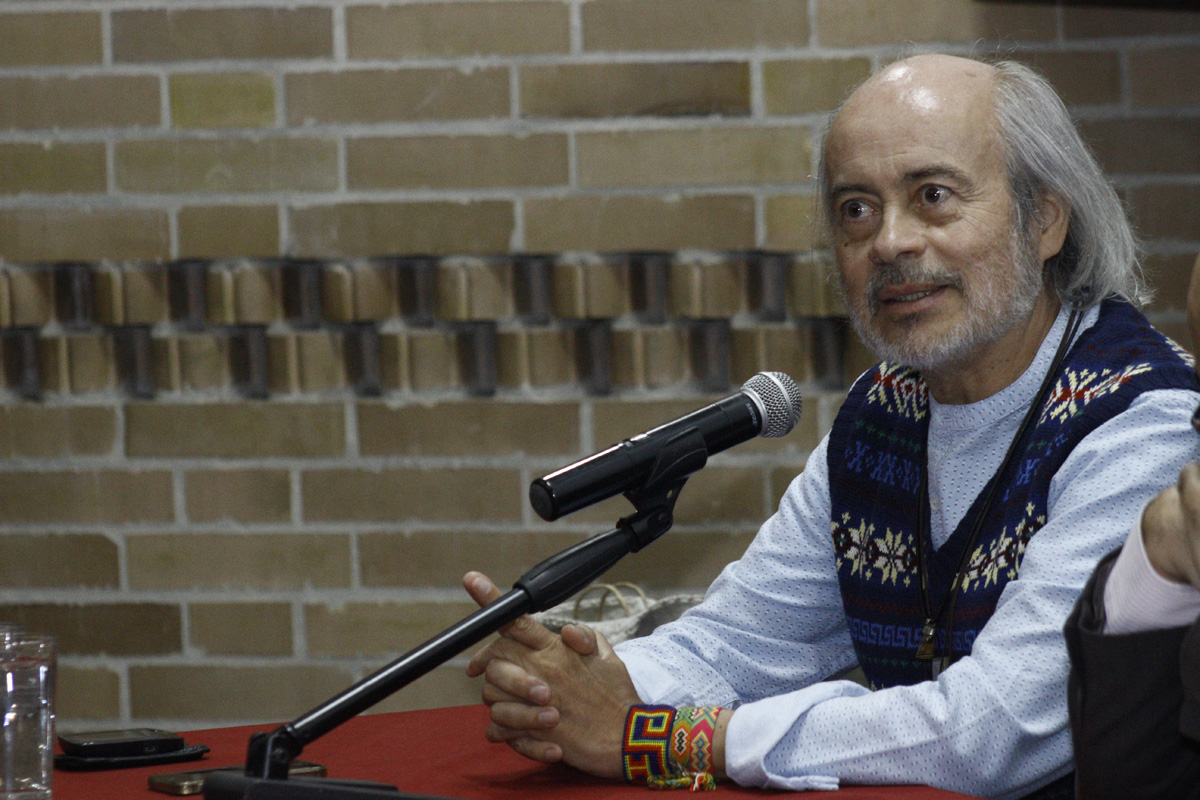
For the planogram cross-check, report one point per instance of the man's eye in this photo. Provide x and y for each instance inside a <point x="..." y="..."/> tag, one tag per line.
<point x="855" y="209"/>
<point x="934" y="194"/>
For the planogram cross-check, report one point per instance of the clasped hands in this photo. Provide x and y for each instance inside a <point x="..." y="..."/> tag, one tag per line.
<point x="553" y="697"/>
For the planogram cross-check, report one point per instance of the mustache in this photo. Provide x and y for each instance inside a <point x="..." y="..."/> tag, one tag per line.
<point x="906" y="270"/>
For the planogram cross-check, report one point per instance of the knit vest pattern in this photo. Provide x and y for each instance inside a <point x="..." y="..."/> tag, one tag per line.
<point x="876" y="454"/>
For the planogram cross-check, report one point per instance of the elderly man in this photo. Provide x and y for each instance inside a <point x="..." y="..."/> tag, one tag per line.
<point x="1134" y="640"/>
<point x="1021" y="416"/>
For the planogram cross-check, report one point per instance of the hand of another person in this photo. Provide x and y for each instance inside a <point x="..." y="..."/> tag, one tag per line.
<point x="553" y="697"/>
<point x="1171" y="529"/>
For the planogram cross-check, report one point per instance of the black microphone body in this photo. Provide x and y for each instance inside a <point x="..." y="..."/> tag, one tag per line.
<point x="768" y="405"/>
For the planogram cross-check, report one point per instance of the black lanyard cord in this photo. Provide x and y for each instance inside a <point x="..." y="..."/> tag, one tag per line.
<point x="928" y="649"/>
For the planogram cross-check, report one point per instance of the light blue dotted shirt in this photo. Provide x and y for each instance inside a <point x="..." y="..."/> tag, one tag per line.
<point x="772" y="626"/>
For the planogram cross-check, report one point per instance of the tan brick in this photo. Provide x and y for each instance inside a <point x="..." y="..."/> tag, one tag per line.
<point x="208" y="692"/>
<point x="535" y="357"/>
<point x="1102" y="23"/>
<point x="38" y="431"/>
<point x="65" y="561"/>
<point x="793" y="222"/>
<point x="811" y="85"/>
<point x="359" y="292"/>
<point x="191" y="362"/>
<point x="391" y="495"/>
<point x="261" y="561"/>
<point x="52" y="168"/>
<point x="472" y="427"/>
<point x="1167" y="212"/>
<point x="222" y="100"/>
<point x="1081" y="78"/>
<point x="115" y="629"/>
<point x="1168" y="76"/>
<point x="420" y="360"/>
<point x="241" y="629"/>
<point x="95" y="496"/>
<point x="814" y="289"/>
<point x="720" y="494"/>
<point x="58" y="39"/>
<point x="636" y="90"/>
<point x="778" y="348"/>
<point x="86" y="693"/>
<point x="639" y="223"/>
<point x="70" y="234"/>
<point x="30" y="295"/>
<point x="130" y="294"/>
<point x="221" y="430"/>
<point x="650" y="356"/>
<point x="446" y="30"/>
<point x="683" y="559"/>
<point x="703" y="157"/>
<point x="857" y="23"/>
<point x="94" y="101"/>
<point x="238" y="495"/>
<point x="243" y="293"/>
<point x="613" y="25"/>
<point x="706" y="285"/>
<point x="306" y="361"/>
<point x="475" y="289"/>
<point x="221" y="33"/>
<point x="397" y="95"/>
<point x="456" y="162"/>
<point x="368" y="229"/>
<point x="226" y="165"/>
<point x="589" y="286"/>
<point x="378" y="629"/>
<point x="441" y="558"/>
<point x="1168" y="276"/>
<point x="440" y="688"/>
<point x="1120" y="145"/>
<point x="228" y="231"/>
<point x="80" y="362"/>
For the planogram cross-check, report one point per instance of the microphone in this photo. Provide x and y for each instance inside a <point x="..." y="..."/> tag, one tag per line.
<point x="767" y="405"/>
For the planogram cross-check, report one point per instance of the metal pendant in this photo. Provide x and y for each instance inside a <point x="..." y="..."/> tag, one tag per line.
<point x="926" y="650"/>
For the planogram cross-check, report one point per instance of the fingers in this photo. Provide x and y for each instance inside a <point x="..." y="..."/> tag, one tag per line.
<point x="537" y="750"/>
<point x="516" y="682"/>
<point x="510" y="719"/>
<point x="580" y="638"/>
<point x="524" y="629"/>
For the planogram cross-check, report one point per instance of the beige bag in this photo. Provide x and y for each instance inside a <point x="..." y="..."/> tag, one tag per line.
<point x="619" y="611"/>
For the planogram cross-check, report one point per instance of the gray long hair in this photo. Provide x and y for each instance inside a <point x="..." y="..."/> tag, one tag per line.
<point x="1046" y="155"/>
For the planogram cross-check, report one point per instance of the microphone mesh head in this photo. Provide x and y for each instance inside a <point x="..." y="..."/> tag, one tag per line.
<point x="779" y="397"/>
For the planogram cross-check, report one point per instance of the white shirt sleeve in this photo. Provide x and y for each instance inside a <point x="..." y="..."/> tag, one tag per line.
<point x="1137" y="598"/>
<point x="995" y="723"/>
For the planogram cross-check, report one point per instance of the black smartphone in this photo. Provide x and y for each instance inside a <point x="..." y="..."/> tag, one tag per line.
<point x="120" y="744"/>
<point x="192" y="782"/>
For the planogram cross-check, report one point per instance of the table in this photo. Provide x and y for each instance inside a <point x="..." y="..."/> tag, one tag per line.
<point x="436" y="752"/>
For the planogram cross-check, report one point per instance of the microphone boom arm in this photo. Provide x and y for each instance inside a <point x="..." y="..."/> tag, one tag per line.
<point x="545" y="585"/>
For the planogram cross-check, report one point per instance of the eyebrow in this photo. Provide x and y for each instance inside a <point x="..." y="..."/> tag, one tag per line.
<point x="913" y="176"/>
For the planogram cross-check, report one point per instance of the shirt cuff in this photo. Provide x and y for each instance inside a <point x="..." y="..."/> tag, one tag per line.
<point x="1137" y="598"/>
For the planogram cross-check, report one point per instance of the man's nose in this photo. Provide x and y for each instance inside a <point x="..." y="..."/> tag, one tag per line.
<point x="899" y="234"/>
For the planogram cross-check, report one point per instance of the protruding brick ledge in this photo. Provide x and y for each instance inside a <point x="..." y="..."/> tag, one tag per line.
<point x="263" y="327"/>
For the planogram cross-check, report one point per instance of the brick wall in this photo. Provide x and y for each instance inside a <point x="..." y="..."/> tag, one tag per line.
<point x="277" y="363"/>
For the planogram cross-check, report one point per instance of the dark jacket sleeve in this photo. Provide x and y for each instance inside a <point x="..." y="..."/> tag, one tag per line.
<point x="1135" y="736"/>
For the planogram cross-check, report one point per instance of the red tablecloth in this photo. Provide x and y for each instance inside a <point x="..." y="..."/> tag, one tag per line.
<point x="439" y="752"/>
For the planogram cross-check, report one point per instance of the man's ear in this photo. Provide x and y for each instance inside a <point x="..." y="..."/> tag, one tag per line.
<point x="1052" y="220"/>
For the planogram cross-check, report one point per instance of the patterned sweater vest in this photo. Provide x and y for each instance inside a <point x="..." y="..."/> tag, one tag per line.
<point x="876" y="451"/>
